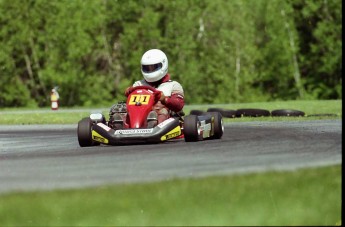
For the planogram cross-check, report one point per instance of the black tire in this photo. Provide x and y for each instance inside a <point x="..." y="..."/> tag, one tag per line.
<point x="217" y="126"/>
<point x="84" y="133"/>
<point x="229" y="113"/>
<point x="252" y="113"/>
<point x="224" y="112"/>
<point x="190" y="128"/>
<point x="287" y="113"/>
<point x="323" y="115"/>
<point x="196" y="112"/>
<point x="215" y="110"/>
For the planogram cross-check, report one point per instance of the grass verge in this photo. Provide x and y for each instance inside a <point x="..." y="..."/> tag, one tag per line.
<point x="72" y="115"/>
<point x="302" y="197"/>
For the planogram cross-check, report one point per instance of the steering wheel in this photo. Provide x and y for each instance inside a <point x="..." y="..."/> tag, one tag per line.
<point x="154" y="90"/>
<point x="156" y="93"/>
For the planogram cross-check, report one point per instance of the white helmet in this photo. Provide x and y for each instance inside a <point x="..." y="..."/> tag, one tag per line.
<point x="154" y="65"/>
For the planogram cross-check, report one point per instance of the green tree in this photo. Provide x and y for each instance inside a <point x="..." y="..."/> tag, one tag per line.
<point x="319" y="26"/>
<point x="18" y="83"/>
<point x="220" y="51"/>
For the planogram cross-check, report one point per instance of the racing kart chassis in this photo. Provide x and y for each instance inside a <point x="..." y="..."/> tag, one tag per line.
<point x="95" y="129"/>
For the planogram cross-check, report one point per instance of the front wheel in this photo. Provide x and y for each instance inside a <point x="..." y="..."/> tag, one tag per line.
<point x="190" y="130"/>
<point x="85" y="133"/>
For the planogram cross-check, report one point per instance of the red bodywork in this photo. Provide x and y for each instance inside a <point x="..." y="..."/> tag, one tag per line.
<point x="139" y="105"/>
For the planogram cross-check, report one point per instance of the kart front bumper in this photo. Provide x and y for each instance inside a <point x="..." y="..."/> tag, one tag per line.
<point x="166" y="130"/>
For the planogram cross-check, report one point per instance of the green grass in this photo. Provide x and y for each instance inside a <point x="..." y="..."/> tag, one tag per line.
<point x="56" y="117"/>
<point x="302" y="197"/>
<point x="73" y="115"/>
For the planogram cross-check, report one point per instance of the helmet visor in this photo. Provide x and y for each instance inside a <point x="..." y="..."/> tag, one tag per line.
<point x="151" y="68"/>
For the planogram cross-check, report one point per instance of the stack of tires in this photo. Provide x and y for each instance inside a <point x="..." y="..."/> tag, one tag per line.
<point x="251" y="112"/>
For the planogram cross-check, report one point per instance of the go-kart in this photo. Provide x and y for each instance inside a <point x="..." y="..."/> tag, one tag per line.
<point x="134" y="124"/>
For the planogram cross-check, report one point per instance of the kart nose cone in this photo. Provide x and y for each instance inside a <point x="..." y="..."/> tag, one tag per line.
<point x="136" y="125"/>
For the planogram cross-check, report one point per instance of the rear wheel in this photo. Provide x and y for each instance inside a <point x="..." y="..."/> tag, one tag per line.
<point x="190" y="128"/>
<point x="85" y="133"/>
<point x="217" y="125"/>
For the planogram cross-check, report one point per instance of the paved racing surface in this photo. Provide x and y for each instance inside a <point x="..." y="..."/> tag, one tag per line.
<point x="49" y="157"/>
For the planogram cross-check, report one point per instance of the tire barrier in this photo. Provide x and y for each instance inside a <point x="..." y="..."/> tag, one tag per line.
<point x="254" y="112"/>
<point x="287" y="113"/>
<point x="196" y="112"/>
<point x="224" y="112"/>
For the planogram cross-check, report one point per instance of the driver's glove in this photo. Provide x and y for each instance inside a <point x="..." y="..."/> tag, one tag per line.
<point x="159" y="96"/>
<point x="129" y="90"/>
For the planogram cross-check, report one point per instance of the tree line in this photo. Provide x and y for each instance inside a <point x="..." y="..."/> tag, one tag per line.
<point x="221" y="51"/>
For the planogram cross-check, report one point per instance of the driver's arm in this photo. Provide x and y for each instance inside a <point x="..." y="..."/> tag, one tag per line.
<point x="175" y="102"/>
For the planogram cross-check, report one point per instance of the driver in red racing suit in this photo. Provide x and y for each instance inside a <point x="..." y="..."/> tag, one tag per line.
<point x="170" y="96"/>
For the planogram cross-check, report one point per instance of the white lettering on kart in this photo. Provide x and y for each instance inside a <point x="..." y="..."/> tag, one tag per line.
<point x="106" y="128"/>
<point x="133" y="131"/>
<point x="164" y="123"/>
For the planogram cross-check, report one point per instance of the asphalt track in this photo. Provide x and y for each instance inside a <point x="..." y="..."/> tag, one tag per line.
<point x="44" y="157"/>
